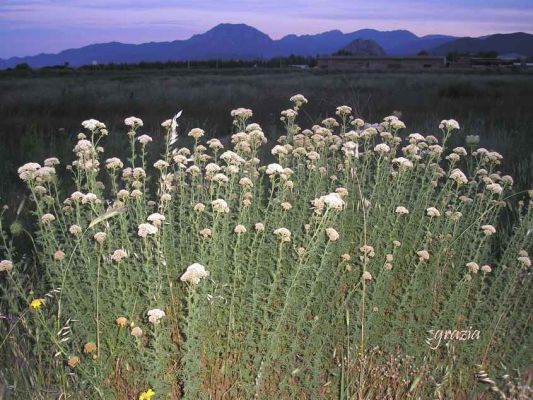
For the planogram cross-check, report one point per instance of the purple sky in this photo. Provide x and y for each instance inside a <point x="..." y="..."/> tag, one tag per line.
<point x="30" y="27"/>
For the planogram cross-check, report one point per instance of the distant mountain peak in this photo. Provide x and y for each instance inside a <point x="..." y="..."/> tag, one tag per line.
<point x="241" y="41"/>
<point x="227" y="28"/>
<point x="363" y="47"/>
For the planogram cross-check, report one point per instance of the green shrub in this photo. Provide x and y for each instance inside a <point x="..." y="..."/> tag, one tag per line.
<point x="211" y="275"/>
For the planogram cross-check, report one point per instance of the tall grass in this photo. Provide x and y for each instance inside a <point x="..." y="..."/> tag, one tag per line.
<point x="325" y="274"/>
<point x="40" y="111"/>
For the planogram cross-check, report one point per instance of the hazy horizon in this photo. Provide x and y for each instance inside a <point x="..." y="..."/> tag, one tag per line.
<point x="30" y="27"/>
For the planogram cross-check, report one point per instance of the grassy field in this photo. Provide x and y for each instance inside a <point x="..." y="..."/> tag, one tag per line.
<point x="304" y="255"/>
<point x="41" y="111"/>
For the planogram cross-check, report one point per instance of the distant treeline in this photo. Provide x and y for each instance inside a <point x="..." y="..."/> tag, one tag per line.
<point x="277" y="62"/>
<point x="291" y="61"/>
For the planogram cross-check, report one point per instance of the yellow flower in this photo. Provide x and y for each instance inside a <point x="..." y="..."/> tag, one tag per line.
<point x="37" y="303"/>
<point x="147" y="395"/>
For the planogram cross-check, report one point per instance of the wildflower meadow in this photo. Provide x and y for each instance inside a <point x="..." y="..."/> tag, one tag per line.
<point x="348" y="260"/>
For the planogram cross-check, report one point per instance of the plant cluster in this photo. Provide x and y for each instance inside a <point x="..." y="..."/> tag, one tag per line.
<point x="213" y="274"/>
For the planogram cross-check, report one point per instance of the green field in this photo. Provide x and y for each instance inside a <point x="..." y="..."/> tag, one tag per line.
<point x="41" y="111"/>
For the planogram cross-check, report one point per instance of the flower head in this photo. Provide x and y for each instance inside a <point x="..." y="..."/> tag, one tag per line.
<point x="473" y="267"/>
<point x="75" y="230"/>
<point x="92" y="124"/>
<point x="194" y="273"/>
<point x="136" y="331"/>
<point x="144" y="139"/>
<point x="73" y="361"/>
<point x="488" y="229"/>
<point x="156" y="219"/>
<point x="525" y="261"/>
<point x="100" y="237"/>
<point x="486" y="269"/>
<point x="6" y="266"/>
<point x="423" y="255"/>
<point x="146" y="229"/>
<point x="367" y="251"/>
<point x="332" y="234"/>
<point x="401" y="210"/>
<point x="433" y="212"/>
<point x="119" y="255"/>
<point x="458" y="176"/>
<point x="220" y="206"/>
<point x="147" y="395"/>
<point x="196" y="133"/>
<point x="37" y="303"/>
<point x="155" y="315"/>
<point x="382" y="148"/>
<point x="273" y="169"/>
<point x="495" y="188"/>
<point x="47" y="218"/>
<point x="298" y="100"/>
<point x="239" y="229"/>
<point x="283" y="233"/>
<point x="449" y="124"/>
<point x="89" y="347"/>
<point x="133" y="122"/>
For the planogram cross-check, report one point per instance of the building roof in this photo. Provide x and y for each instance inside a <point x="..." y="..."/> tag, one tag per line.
<point x="384" y="58"/>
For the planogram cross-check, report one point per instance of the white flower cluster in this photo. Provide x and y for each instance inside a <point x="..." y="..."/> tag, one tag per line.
<point x="449" y="124"/>
<point x="331" y="201"/>
<point x="298" y="100"/>
<point x="93" y="124"/>
<point x="283" y="233"/>
<point x="155" y="315"/>
<point x="6" y="265"/>
<point x="220" y="206"/>
<point x="194" y="273"/>
<point x="133" y="122"/>
<point x="146" y="229"/>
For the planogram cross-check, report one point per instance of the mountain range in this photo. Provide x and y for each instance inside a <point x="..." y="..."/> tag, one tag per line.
<point x="240" y="41"/>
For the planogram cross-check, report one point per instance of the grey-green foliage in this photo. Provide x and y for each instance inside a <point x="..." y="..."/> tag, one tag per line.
<point x="274" y="318"/>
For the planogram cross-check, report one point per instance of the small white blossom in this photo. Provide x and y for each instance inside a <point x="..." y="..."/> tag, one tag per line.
<point x="75" y="230"/>
<point x="423" y="255"/>
<point x="6" y="265"/>
<point x="274" y="169"/>
<point x="449" y="124"/>
<point x="220" y="205"/>
<point x="155" y="315"/>
<point x="196" y="133"/>
<point x="144" y="139"/>
<point x="100" y="237"/>
<point x="459" y="177"/>
<point x="133" y="122"/>
<point x="433" y="212"/>
<point x="146" y="229"/>
<point x="488" y="230"/>
<point x="332" y="234"/>
<point x="119" y="255"/>
<point x="283" y="233"/>
<point x="195" y="272"/>
<point x="114" y="163"/>
<point x="401" y="210"/>
<point x="47" y="218"/>
<point x="382" y="148"/>
<point x="239" y="229"/>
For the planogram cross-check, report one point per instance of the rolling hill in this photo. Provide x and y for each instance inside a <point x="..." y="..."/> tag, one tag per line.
<point x="240" y="41"/>
<point x="520" y="43"/>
